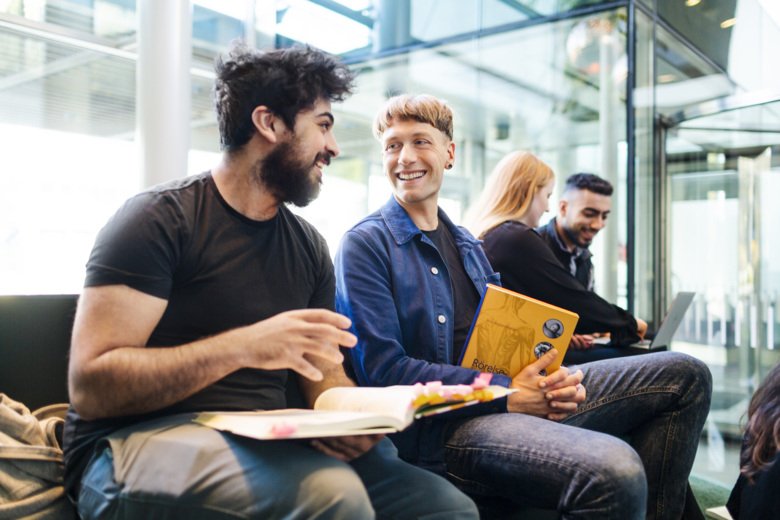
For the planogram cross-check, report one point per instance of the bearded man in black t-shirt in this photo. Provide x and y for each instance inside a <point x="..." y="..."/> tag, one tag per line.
<point x="207" y="293"/>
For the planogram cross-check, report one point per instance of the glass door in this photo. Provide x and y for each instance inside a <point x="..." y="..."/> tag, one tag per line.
<point x="723" y="176"/>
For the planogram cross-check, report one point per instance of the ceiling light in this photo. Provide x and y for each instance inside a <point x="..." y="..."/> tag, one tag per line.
<point x="725" y="24"/>
<point x="666" y="78"/>
<point x="691" y="3"/>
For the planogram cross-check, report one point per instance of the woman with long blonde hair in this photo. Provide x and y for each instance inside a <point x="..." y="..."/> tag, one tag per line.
<point x="510" y="191"/>
<point x="510" y="207"/>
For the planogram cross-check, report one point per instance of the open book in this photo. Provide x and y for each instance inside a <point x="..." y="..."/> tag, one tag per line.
<point x="342" y="411"/>
<point x="511" y="331"/>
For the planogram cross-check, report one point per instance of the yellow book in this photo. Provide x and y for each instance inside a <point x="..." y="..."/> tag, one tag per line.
<point x="511" y="331"/>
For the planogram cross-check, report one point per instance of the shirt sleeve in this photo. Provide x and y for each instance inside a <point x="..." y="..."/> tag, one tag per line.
<point x="528" y="266"/>
<point x="139" y="246"/>
<point x="364" y="293"/>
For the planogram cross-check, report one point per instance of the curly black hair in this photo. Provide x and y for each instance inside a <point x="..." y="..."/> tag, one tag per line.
<point x="590" y="182"/>
<point x="287" y="81"/>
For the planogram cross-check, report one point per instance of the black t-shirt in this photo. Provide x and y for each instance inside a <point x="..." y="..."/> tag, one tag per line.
<point x="218" y="270"/>
<point x="528" y="266"/>
<point x="464" y="294"/>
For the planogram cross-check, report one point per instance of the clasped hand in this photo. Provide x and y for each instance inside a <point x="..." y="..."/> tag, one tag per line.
<point x="554" y="397"/>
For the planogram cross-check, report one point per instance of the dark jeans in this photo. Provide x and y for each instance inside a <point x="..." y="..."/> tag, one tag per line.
<point x="580" y="467"/>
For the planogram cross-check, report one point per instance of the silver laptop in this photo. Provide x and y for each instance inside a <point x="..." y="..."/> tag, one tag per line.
<point x="670" y="323"/>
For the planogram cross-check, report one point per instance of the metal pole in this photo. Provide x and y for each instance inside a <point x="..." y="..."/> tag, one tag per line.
<point x="163" y="88"/>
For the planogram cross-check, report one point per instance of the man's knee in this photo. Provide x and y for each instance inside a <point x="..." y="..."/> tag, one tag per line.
<point x="620" y="473"/>
<point x="336" y="493"/>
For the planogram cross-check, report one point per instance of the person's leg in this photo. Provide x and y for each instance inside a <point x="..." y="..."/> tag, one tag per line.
<point x="399" y="490"/>
<point x="174" y="468"/>
<point x="658" y="401"/>
<point x="541" y="463"/>
<point x="597" y="353"/>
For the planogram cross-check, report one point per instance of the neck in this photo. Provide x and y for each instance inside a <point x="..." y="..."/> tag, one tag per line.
<point x="238" y="184"/>
<point x="527" y="221"/>
<point x="424" y="214"/>
<point x="571" y="246"/>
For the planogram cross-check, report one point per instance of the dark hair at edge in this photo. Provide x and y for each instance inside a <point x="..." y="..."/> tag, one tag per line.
<point x="287" y="81"/>
<point x="590" y="182"/>
<point x="762" y="434"/>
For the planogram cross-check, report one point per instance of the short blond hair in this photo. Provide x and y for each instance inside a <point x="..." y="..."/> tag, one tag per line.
<point x="509" y="191"/>
<point x="422" y="108"/>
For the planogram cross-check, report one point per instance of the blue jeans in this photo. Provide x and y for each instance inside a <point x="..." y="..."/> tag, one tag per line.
<point x="173" y="468"/>
<point x="580" y="467"/>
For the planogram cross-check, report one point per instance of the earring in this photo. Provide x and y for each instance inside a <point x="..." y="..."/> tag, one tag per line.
<point x="449" y="166"/>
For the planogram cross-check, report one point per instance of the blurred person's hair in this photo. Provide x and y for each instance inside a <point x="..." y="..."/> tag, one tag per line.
<point x="762" y="433"/>
<point x="509" y="191"/>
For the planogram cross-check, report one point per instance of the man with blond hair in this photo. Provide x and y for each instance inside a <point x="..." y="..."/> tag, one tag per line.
<point x="411" y="280"/>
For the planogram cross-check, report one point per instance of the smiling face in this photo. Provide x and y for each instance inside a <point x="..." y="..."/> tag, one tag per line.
<point x="293" y="170"/>
<point x="415" y="155"/>
<point x="582" y="214"/>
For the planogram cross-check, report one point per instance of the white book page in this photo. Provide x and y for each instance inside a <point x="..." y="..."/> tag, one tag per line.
<point x="298" y="424"/>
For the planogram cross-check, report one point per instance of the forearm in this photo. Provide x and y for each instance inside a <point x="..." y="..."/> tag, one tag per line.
<point x="333" y="375"/>
<point x="136" y="380"/>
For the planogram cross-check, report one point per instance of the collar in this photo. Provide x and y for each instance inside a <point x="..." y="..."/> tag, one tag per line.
<point x="404" y="229"/>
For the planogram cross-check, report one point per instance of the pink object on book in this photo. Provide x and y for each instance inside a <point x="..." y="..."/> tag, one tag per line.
<point x="283" y="429"/>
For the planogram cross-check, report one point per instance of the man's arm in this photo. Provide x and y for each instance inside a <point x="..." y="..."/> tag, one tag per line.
<point x="527" y="265"/>
<point x="112" y="373"/>
<point x="343" y="448"/>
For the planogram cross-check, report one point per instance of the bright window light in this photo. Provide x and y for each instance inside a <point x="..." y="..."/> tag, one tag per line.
<point x="237" y="10"/>
<point x="355" y="5"/>
<point x="322" y="28"/>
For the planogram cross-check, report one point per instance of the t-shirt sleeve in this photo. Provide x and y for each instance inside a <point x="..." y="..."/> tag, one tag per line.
<point x="139" y="246"/>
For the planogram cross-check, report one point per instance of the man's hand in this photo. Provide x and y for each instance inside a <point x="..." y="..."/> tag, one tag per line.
<point x="346" y="448"/>
<point x="554" y="397"/>
<point x="288" y="339"/>
<point x="641" y="328"/>
<point x="581" y="342"/>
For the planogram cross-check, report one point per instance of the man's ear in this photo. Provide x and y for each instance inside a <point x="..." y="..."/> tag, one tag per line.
<point x="563" y="205"/>
<point x="451" y="154"/>
<point x="267" y="124"/>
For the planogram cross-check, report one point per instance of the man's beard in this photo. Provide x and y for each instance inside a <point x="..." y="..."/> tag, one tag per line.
<point x="288" y="177"/>
<point x="575" y="237"/>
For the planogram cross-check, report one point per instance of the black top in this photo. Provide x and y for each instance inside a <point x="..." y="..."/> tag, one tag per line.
<point x="464" y="294"/>
<point x="528" y="266"/>
<point x="759" y="500"/>
<point x="578" y="262"/>
<point x="218" y="270"/>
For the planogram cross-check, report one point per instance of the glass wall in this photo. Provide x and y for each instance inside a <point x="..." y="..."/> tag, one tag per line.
<point x="556" y="88"/>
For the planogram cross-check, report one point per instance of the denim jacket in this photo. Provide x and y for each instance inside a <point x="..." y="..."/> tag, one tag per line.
<point x="393" y="284"/>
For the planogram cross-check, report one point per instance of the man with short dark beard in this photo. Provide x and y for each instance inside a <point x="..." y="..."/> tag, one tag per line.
<point x="207" y="293"/>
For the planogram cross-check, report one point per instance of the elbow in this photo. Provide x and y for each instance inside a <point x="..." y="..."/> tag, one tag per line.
<point x="83" y="400"/>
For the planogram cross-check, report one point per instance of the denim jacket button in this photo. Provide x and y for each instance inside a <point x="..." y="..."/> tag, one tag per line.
<point x="442" y="318"/>
<point x="435" y="270"/>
